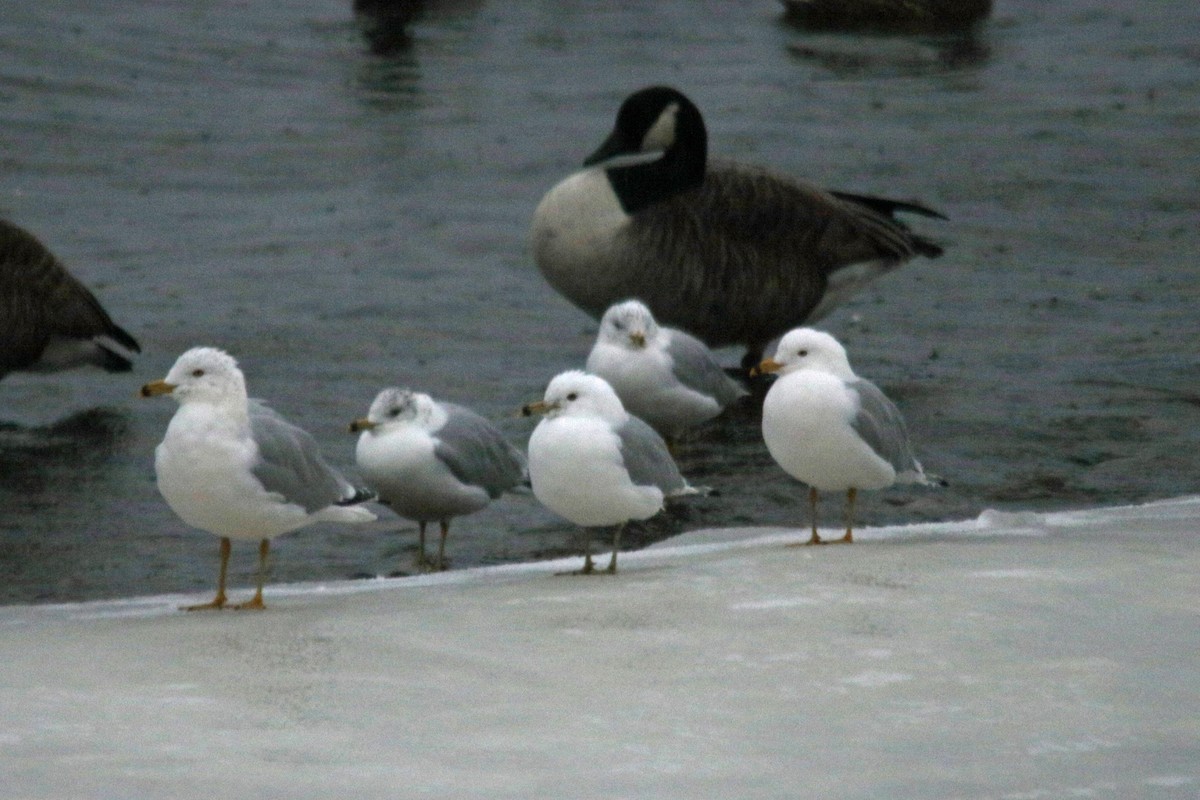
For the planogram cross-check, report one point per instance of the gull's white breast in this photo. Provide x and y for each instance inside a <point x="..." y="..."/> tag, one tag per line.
<point x="402" y="466"/>
<point x="807" y="429"/>
<point x="203" y="468"/>
<point x="576" y="470"/>
<point x="648" y="388"/>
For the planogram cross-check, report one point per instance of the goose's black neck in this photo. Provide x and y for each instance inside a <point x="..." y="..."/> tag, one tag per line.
<point x="680" y="167"/>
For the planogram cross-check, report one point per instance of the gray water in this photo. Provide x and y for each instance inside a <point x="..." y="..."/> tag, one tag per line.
<point x="255" y="176"/>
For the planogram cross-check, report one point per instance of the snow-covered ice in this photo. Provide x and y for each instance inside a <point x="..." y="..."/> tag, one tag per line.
<point x="1012" y="656"/>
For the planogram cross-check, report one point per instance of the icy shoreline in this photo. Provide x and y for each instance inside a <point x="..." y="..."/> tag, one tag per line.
<point x="1015" y="655"/>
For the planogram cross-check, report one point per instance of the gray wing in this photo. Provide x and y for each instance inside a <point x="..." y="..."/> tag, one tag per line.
<point x="290" y="462"/>
<point x="697" y="369"/>
<point x="882" y="427"/>
<point x="647" y="459"/>
<point x="477" y="453"/>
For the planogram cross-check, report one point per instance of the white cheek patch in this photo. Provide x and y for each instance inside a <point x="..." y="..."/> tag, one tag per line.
<point x="662" y="133"/>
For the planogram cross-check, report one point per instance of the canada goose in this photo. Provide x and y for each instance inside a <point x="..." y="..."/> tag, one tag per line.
<point x="830" y="428"/>
<point x="49" y="321"/>
<point x="729" y="253"/>
<point x="887" y="15"/>
<point x="433" y="461"/>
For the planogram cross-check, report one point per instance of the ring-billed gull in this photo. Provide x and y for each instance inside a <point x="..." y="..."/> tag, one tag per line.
<point x="432" y="460"/>
<point x="237" y="469"/>
<point x="49" y="321"/>
<point x="730" y="253"/>
<point x="830" y="428"/>
<point x="594" y="463"/>
<point x="664" y="376"/>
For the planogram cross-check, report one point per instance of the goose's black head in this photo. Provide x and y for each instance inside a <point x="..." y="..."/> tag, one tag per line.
<point x="658" y="120"/>
<point x="655" y="119"/>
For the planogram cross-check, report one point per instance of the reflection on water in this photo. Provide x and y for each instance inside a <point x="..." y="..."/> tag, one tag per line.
<point x="391" y="83"/>
<point x="884" y="56"/>
<point x="73" y="450"/>
<point x="57" y="484"/>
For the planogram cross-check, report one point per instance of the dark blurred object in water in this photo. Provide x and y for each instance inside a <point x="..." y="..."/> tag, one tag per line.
<point x="385" y="23"/>
<point x="49" y="321"/>
<point x="893" y="16"/>
<point x="63" y="505"/>
<point x="92" y="432"/>
<point x="892" y="56"/>
<point x="33" y="457"/>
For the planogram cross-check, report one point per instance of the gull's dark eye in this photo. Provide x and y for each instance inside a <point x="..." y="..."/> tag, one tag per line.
<point x="573" y="396"/>
<point x="802" y="353"/>
<point x="197" y="373"/>
<point x="395" y="412"/>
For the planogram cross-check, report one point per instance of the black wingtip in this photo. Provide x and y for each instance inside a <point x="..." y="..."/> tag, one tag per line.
<point x="112" y="361"/>
<point x="887" y="206"/>
<point x="927" y="248"/>
<point x="360" y="495"/>
<point x="917" y="208"/>
<point x="123" y="338"/>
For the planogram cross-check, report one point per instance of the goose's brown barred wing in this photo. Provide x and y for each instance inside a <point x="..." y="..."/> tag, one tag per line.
<point x="41" y="303"/>
<point x="747" y="255"/>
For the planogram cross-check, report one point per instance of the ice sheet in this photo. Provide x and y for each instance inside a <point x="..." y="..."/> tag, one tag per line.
<point x="1003" y="657"/>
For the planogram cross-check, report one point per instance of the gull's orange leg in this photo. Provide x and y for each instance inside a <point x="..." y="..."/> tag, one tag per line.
<point x="589" y="566"/>
<point x="851" y="495"/>
<point x="812" y="504"/>
<point x="256" y="602"/>
<point x="422" y="564"/>
<point x="218" y="602"/>
<point x="612" y="562"/>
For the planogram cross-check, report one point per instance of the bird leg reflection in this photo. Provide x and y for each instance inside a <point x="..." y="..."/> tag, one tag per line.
<point x="218" y="602"/>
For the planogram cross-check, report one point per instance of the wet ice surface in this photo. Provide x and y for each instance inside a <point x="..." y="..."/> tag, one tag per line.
<point x="252" y="176"/>
<point x="1011" y="656"/>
